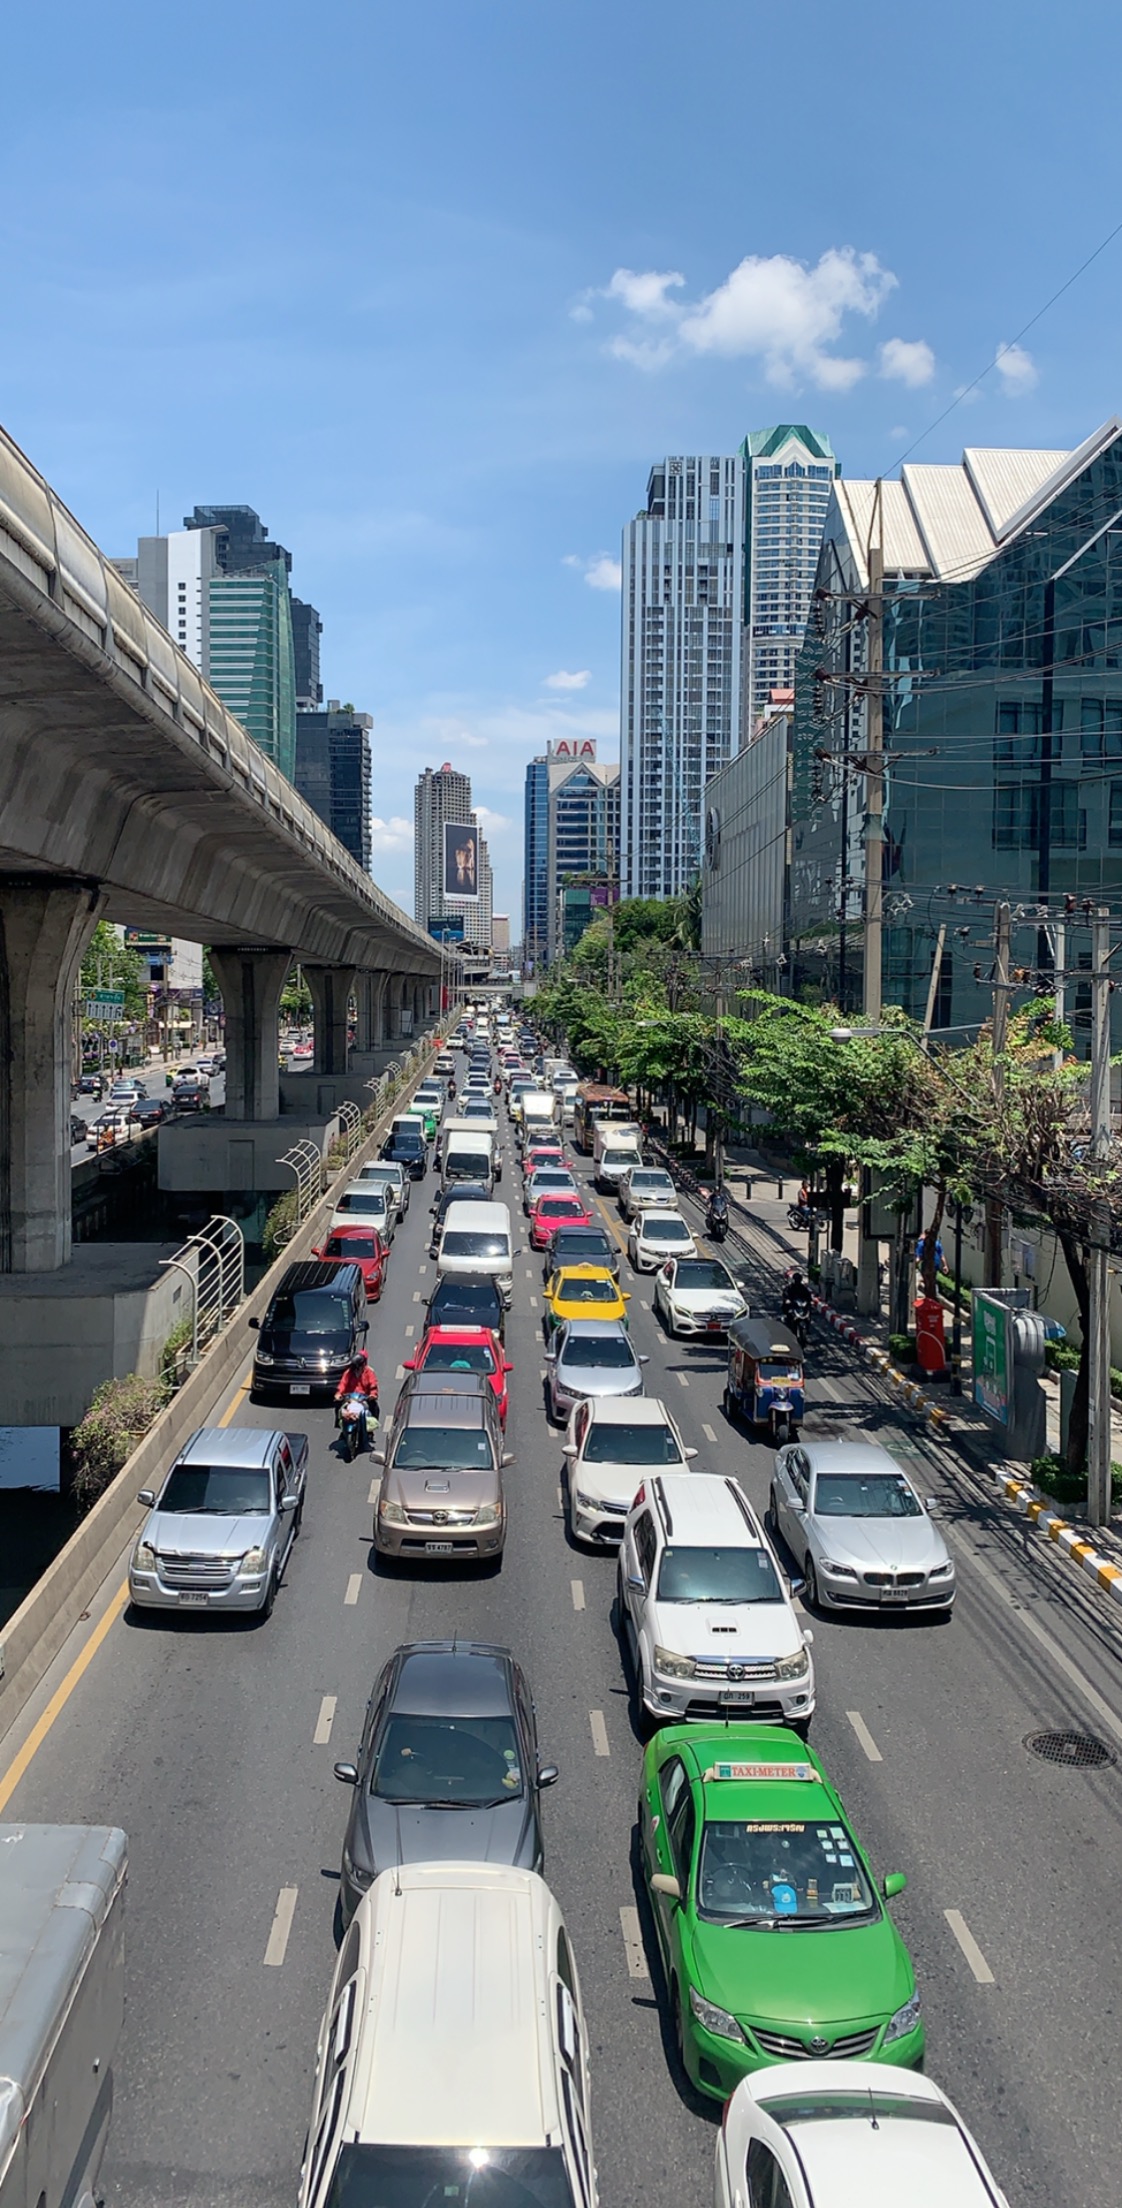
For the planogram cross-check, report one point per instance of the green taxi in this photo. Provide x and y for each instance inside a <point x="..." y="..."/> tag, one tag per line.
<point x="776" y="1943"/>
<point x="430" y="1113"/>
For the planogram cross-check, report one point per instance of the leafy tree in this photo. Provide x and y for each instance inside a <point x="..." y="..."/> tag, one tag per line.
<point x="110" y="963"/>
<point x="296" y="997"/>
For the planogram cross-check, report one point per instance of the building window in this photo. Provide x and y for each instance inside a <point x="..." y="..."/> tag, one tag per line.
<point x="1115" y="830"/>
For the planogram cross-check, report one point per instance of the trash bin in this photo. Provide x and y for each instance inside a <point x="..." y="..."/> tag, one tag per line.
<point x="931" y="1351"/>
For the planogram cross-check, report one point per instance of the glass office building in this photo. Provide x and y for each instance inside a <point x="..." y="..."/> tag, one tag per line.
<point x="535" y="864"/>
<point x="1002" y="726"/>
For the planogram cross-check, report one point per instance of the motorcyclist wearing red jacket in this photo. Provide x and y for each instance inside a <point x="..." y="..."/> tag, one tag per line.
<point x="359" y="1378"/>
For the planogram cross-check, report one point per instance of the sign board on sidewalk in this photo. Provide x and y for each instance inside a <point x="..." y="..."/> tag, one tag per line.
<point x="993" y="1361"/>
<point x="106" y="996"/>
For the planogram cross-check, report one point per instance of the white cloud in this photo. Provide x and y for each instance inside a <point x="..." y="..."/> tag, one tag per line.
<point x="562" y="680"/>
<point x="770" y="308"/>
<point x="897" y="432"/>
<point x="604" y="573"/>
<point x="906" y="360"/>
<point x="1017" y="369"/>
<point x="646" y="294"/>
<point x="492" y="824"/>
<point x="453" y="735"/>
<point x="395" y="834"/>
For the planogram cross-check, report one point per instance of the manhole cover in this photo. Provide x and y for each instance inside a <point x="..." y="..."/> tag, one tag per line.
<point x="1078" y="1751"/>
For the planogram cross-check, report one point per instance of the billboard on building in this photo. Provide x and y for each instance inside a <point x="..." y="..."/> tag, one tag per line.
<point x="603" y="893"/>
<point x="461" y="860"/>
<point x="447" y="927"/>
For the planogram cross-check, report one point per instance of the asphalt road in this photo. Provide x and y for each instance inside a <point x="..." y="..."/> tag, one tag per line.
<point x="212" y="1745"/>
<point x="89" y="1108"/>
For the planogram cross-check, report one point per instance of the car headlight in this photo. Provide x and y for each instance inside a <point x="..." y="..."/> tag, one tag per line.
<point x="254" y="1560"/>
<point x="262" y="1357"/>
<point x="488" y="1514"/>
<point x="904" y="2021"/>
<point x="144" y="1557"/>
<point x="391" y="1514"/>
<point x="586" y="1502"/>
<point x="793" y="1667"/>
<point x="840" y="1571"/>
<point x="942" y="1571"/>
<point x="714" y="2019"/>
<point x="672" y="1665"/>
<point x="356" y="1872"/>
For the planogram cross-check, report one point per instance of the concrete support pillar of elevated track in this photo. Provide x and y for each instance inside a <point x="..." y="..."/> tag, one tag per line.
<point x="331" y="988"/>
<point x="251" y="982"/>
<point x="45" y="925"/>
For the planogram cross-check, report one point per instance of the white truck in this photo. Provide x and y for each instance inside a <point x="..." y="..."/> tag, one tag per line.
<point x="617" y="1145"/>
<point x="62" y="2004"/>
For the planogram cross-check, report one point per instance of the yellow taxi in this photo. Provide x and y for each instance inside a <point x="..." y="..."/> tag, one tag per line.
<point x="583" y="1292"/>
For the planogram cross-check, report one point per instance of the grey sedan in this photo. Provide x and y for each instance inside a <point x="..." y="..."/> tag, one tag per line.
<point x="447" y="1769"/>
<point x="590" y="1357"/>
<point x="855" y="1525"/>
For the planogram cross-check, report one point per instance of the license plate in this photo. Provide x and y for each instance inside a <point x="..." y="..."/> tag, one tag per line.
<point x="439" y="1548"/>
<point x="890" y="1595"/>
<point x="737" y="1694"/>
<point x="193" y="1601"/>
<point x="300" y="1387"/>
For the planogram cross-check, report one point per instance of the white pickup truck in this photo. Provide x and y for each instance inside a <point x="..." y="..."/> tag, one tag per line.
<point x="62" y="2004"/>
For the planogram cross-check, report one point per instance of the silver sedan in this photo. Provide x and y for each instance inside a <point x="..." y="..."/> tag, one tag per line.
<point x="857" y="1529"/>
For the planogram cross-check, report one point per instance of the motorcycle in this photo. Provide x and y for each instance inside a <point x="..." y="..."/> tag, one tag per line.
<point x="356" y="1418"/>
<point x="716" y="1224"/>
<point x="796" y="1315"/>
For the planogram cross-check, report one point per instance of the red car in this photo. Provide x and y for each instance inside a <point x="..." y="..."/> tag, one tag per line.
<point x="541" y="1153"/>
<point x="465" y="1349"/>
<point x="551" y="1212"/>
<point x="358" y="1245"/>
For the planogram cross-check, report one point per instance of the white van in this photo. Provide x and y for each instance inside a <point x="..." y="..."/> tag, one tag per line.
<point x="477" y="1238"/>
<point x="454" y="2044"/>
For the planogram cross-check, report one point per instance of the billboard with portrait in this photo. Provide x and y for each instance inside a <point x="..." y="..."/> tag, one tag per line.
<point x="461" y="860"/>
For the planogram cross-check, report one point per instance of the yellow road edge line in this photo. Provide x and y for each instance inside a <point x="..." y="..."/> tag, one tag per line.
<point x="20" y="1762"/>
<point x="228" y="1414"/>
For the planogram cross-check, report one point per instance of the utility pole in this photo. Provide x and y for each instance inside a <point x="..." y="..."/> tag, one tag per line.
<point x="1002" y="934"/>
<point x="874" y="767"/>
<point x="1098" y="1279"/>
<point x="1058" y="933"/>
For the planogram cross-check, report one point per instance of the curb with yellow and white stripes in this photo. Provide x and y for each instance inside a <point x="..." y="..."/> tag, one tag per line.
<point x="1025" y="1498"/>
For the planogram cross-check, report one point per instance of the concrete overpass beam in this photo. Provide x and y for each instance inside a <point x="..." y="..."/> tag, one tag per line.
<point x="331" y="988"/>
<point x="251" y="983"/>
<point x="45" y="926"/>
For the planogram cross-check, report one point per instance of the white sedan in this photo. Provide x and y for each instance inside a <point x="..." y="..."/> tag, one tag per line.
<point x="612" y="1443"/>
<point x="698" y="1295"/>
<point x="646" y="1188"/>
<point x="657" y="1235"/>
<point x="828" y="2134"/>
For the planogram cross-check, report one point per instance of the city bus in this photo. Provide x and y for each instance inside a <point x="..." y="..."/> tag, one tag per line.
<point x="594" y="1101"/>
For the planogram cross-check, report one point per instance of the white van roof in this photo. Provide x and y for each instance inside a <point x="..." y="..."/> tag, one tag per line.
<point x="468" y="1217"/>
<point x="459" y="2044"/>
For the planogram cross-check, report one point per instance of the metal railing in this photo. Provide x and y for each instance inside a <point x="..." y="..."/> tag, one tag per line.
<point x="350" y="1129"/>
<point x="306" y="1165"/>
<point x="213" y="1262"/>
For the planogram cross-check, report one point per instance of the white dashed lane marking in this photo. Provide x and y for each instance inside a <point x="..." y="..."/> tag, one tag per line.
<point x="416" y="1295"/>
<point x="577" y="1586"/>
<point x="707" y="1430"/>
<point x="633" y="1941"/>
<point x="533" y="1303"/>
<point x="281" y="1927"/>
<point x="375" y="1484"/>
<point x="864" y="1736"/>
<point x="599" y="1732"/>
<point x="970" y="1948"/>
<point x="324" y="1721"/>
<point x="409" y="1333"/>
<point x="683" y="1380"/>
<point x="353" y="1586"/>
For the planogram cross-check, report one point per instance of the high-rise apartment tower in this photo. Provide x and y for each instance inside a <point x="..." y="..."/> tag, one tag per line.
<point x="788" y="473"/>
<point x="440" y="795"/>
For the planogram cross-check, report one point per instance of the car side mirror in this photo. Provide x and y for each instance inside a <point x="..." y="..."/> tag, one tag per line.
<point x="663" y="1883"/>
<point x="808" y="1638"/>
<point x="690" y="1452"/>
<point x="348" y="1772"/>
<point x="548" y="1774"/>
<point x="507" y="1457"/>
<point x="568" y="1449"/>
<point x="255" y="1324"/>
<point x="147" y="1495"/>
<point x="365" y="1327"/>
<point x="378" y="1452"/>
<point x="626" y="1294"/>
<point x="931" y="1505"/>
<point x="797" y="1585"/>
<point x="409" y="1364"/>
<point x="635" y="1579"/>
<point x="894" y="1884"/>
<point x="551" y="1356"/>
<point x="644" y="1359"/>
<point x="508" y="1364"/>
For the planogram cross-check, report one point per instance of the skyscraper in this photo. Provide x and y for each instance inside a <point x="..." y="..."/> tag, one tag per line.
<point x="535" y="863"/>
<point x="307" y="628"/>
<point x="788" y="473"/>
<point x="583" y="828"/>
<point x="440" y="795"/>
<point x="333" y="772"/>
<point x="683" y="602"/>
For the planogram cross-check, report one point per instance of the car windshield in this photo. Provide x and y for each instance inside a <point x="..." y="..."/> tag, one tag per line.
<point x="461" y="2177"/>
<point x="459" y="1357"/>
<point x="367" y="1202"/>
<point x="703" y="1272"/>
<point x="588" y="1291"/>
<point x="590" y="1251"/>
<point x="651" y="1179"/>
<point x="864" y="1495"/>
<point x="666" y="1230"/>
<point x="458" y="1242"/>
<point x="472" y="1307"/>
<point x="461" y="1760"/>
<point x="631" y="1445"/>
<point x="718" y="1575"/>
<point x="780" y="1871"/>
<point x="443" y="1449"/>
<point x="550" y="1176"/>
<point x="559" y="1207"/>
<point x="354" y="1245"/>
<point x="311" y="1312"/>
<point x="771" y="1371"/>
<point x="621" y="1157"/>
<point x="598" y="1352"/>
<point x="216" y="1491"/>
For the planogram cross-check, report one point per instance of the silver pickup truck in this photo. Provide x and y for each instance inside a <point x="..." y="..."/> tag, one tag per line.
<point x="223" y="1525"/>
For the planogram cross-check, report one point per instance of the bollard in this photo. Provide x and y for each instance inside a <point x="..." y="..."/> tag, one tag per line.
<point x="779" y="1190"/>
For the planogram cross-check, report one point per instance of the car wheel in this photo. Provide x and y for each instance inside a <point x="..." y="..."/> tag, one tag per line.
<point x="771" y="1517"/>
<point x="298" y="1521"/>
<point x="270" y="1597"/>
<point x="810" y="1591"/>
<point x="677" y="2024"/>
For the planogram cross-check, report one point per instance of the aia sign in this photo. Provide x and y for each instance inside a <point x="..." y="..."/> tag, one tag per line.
<point x="573" y="747"/>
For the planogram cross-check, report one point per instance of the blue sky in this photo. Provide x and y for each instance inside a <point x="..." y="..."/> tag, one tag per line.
<point x="431" y="287"/>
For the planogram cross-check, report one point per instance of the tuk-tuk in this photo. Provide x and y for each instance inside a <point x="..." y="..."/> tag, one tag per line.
<point x="764" y="1383"/>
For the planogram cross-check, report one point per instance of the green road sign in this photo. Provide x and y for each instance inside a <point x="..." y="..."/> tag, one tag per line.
<point x="992" y="1361"/>
<point x="107" y="996"/>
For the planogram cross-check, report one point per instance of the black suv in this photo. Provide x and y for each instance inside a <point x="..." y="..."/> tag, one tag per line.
<point x="466" y="1299"/>
<point x="315" y="1323"/>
